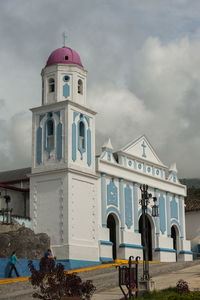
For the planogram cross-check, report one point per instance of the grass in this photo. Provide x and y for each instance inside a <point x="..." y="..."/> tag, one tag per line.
<point x="170" y="294"/>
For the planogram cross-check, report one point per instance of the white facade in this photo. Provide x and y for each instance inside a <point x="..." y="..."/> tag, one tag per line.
<point x="89" y="205"/>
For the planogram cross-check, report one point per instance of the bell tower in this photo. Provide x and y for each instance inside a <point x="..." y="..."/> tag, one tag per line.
<point x="63" y="179"/>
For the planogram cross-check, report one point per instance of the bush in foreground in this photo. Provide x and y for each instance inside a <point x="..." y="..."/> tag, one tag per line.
<point x="52" y="282"/>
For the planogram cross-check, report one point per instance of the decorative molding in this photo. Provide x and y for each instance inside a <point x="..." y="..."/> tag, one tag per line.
<point x="185" y="252"/>
<point x="168" y="214"/>
<point x="39" y="146"/>
<point x="89" y="147"/>
<point x="74" y="141"/>
<point x="34" y="207"/>
<point x="103" y="200"/>
<point x="61" y="209"/>
<point x="59" y="141"/>
<point x="121" y="203"/>
<point x="165" y="250"/>
<point x="162" y="213"/>
<point x="174" y="208"/>
<point x="107" y="243"/>
<point x="66" y="90"/>
<point x="135" y="204"/>
<point x="128" y="206"/>
<point x="112" y="193"/>
<point x="133" y="246"/>
<point x="114" y="210"/>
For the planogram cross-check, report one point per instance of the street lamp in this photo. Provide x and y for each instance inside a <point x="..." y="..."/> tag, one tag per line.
<point x="144" y="203"/>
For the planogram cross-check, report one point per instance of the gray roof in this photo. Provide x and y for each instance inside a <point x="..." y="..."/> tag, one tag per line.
<point x="14" y="175"/>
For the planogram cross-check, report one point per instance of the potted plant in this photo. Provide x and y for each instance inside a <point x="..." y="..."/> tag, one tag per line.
<point x="52" y="283"/>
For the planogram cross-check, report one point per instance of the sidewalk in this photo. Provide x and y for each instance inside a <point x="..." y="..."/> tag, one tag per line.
<point x="190" y="274"/>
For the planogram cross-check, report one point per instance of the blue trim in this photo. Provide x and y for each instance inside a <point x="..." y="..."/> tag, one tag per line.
<point x="121" y="203"/>
<point x="165" y="250"/>
<point x="168" y="214"/>
<point x="75" y="114"/>
<point x="81" y="148"/>
<point x="106" y="259"/>
<point x="41" y="117"/>
<point x="128" y="206"/>
<point x="135" y="204"/>
<point x="174" y="208"/>
<point x="174" y="222"/>
<point x="107" y="243"/>
<point x="103" y="200"/>
<point x="135" y="164"/>
<point x="39" y="146"/>
<point x="186" y="252"/>
<point x="46" y="147"/>
<point x="74" y="141"/>
<point x="57" y="113"/>
<point x="133" y="246"/>
<point x="74" y="263"/>
<point x="59" y="141"/>
<point x="24" y="270"/>
<point x="66" y="90"/>
<point x="181" y="212"/>
<point x="162" y="213"/>
<point x="112" y="193"/>
<point x="89" y="147"/>
<point x="88" y="120"/>
<point x="143" y="146"/>
<point x="144" y="167"/>
<point x="66" y="78"/>
<point x="153" y="170"/>
<point x="113" y="210"/>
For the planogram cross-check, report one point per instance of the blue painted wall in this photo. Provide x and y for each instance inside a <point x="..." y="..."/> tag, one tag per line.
<point x="23" y="269"/>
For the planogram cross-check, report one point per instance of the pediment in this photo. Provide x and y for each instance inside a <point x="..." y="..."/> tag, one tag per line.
<point x="141" y="148"/>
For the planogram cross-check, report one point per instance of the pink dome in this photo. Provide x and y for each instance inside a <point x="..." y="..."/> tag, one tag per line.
<point x="64" y="55"/>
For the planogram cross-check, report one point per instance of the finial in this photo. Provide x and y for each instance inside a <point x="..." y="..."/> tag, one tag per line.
<point x="64" y="38"/>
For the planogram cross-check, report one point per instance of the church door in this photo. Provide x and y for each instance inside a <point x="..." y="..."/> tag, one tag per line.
<point x="148" y="235"/>
<point x="174" y="237"/>
<point x="111" y="224"/>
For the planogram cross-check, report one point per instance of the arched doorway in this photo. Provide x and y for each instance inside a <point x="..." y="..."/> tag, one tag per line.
<point x="148" y="234"/>
<point x="174" y="237"/>
<point x="111" y="224"/>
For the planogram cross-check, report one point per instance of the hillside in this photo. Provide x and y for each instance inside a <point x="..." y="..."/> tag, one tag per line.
<point x="192" y="200"/>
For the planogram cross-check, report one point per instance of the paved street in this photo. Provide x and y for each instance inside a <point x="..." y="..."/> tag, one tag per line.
<point x="190" y="274"/>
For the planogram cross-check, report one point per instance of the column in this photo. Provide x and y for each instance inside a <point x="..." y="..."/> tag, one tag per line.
<point x="103" y="200"/>
<point x="135" y="206"/>
<point x="168" y="214"/>
<point x="157" y="219"/>
<point x="121" y="203"/>
<point x="181" y="214"/>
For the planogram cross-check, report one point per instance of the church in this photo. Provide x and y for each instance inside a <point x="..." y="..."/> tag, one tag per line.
<point x="90" y="205"/>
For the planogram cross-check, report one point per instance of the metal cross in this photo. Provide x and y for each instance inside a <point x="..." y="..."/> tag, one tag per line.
<point x="144" y="146"/>
<point x="64" y="37"/>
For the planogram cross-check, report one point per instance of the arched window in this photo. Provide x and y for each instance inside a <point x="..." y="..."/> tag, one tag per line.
<point x="51" y="85"/>
<point x="82" y="135"/>
<point x="50" y="134"/>
<point x="80" y="86"/>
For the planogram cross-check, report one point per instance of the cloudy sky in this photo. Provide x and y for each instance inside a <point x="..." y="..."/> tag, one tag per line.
<point x="143" y="62"/>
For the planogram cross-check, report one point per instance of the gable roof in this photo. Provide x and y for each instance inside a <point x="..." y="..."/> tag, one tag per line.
<point x="142" y="148"/>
